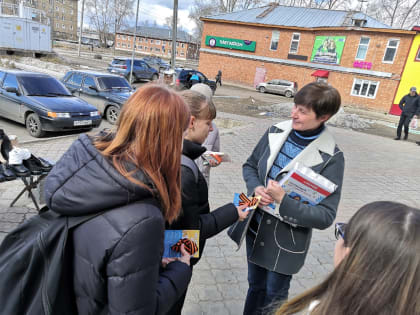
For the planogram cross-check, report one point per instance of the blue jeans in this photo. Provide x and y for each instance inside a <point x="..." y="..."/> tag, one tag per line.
<point x="265" y="287"/>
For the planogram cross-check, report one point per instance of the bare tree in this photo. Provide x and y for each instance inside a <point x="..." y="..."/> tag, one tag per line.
<point x="396" y="13"/>
<point x="105" y="15"/>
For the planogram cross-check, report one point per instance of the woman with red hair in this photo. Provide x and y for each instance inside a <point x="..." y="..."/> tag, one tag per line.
<point x="132" y="178"/>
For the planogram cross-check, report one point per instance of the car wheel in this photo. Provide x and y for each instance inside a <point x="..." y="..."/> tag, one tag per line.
<point x="261" y="89"/>
<point x="155" y="77"/>
<point x="288" y="94"/>
<point x="112" y="114"/>
<point x="133" y="78"/>
<point x="34" y="126"/>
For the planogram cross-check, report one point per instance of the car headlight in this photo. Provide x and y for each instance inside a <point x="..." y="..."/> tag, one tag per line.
<point x="94" y="114"/>
<point x="59" y="115"/>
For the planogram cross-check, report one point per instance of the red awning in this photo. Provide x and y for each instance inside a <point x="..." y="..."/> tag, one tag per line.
<point x="321" y="74"/>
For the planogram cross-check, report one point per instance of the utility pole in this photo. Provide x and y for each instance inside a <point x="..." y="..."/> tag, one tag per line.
<point x="81" y="28"/>
<point x="174" y="33"/>
<point x="115" y="29"/>
<point x="134" y="41"/>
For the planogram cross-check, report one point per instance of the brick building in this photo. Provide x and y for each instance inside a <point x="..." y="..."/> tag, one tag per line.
<point x="62" y="15"/>
<point x="158" y="41"/>
<point x="355" y="53"/>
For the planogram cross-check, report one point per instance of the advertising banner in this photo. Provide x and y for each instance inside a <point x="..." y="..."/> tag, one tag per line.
<point x="328" y="49"/>
<point x="230" y="43"/>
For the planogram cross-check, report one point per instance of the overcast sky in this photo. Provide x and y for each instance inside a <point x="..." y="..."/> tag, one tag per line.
<point x="158" y="10"/>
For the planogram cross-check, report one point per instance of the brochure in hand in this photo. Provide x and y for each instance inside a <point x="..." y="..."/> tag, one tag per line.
<point x="242" y="199"/>
<point x="217" y="157"/>
<point x="174" y="239"/>
<point x="303" y="184"/>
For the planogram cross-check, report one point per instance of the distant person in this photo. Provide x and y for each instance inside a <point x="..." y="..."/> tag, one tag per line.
<point x="194" y="79"/>
<point x="131" y="179"/>
<point x="376" y="266"/>
<point x="212" y="142"/>
<point x="219" y="77"/>
<point x="196" y="214"/>
<point x="410" y="107"/>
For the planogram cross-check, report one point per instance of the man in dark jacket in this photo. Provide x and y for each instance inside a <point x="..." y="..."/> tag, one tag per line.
<point x="410" y="106"/>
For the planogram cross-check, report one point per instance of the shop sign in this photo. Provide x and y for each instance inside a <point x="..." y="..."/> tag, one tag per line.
<point x="230" y="43"/>
<point x="362" y="65"/>
<point x="328" y="49"/>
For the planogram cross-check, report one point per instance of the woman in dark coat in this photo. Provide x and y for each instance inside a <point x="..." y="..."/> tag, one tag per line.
<point x="131" y="178"/>
<point x="196" y="213"/>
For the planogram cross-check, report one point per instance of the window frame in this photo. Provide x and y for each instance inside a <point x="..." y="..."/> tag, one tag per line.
<point x="417" y="56"/>
<point x="271" y="41"/>
<point x="396" y="50"/>
<point x="291" y="42"/>
<point x="358" y="47"/>
<point x="367" y="90"/>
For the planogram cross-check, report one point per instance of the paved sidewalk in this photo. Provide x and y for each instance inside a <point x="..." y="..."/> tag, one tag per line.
<point x="377" y="168"/>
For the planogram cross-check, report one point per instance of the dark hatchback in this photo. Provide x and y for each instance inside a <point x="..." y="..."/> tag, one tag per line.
<point x="141" y="70"/>
<point x="107" y="92"/>
<point x="183" y="77"/>
<point x="157" y="63"/>
<point x="43" y="103"/>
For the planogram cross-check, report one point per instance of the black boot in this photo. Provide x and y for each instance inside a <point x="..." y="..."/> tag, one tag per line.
<point x="7" y="172"/>
<point x="32" y="167"/>
<point x="43" y="164"/>
<point x="20" y="170"/>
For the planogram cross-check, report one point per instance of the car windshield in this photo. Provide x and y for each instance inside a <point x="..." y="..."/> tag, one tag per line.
<point x="43" y="86"/>
<point x="108" y="83"/>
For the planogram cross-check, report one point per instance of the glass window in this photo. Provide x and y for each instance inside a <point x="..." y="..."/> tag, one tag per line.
<point x="274" y="40"/>
<point x="294" y="45"/>
<point x="151" y="41"/>
<point x="76" y="79"/>
<point x="157" y="42"/>
<point x="364" y="88"/>
<point x="418" y="55"/>
<point x="113" y="83"/>
<point x="43" y="85"/>
<point x="10" y="81"/>
<point x="2" y="74"/>
<point x="89" y="81"/>
<point x="363" y="48"/>
<point x="391" y="50"/>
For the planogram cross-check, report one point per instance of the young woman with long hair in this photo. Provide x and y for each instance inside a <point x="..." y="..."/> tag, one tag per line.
<point x="196" y="213"/>
<point x="131" y="178"/>
<point x="377" y="266"/>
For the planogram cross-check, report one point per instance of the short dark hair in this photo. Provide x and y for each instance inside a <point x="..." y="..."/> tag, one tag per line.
<point x="322" y="98"/>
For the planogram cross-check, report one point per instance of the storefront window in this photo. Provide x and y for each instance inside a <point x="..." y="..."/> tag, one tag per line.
<point x="418" y="55"/>
<point x="364" y="88"/>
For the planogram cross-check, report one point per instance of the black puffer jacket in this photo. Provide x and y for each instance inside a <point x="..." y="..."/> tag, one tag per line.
<point x="195" y="205"/>
<point x="117" y="255"/>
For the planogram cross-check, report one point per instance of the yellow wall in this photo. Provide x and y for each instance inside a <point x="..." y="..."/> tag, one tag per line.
<point x="411" y="72"/>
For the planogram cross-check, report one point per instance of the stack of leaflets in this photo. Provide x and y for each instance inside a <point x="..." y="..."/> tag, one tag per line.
<point x="217" y="157"/>
<point x="172" y="237"/>
<point x="303" y="184"/>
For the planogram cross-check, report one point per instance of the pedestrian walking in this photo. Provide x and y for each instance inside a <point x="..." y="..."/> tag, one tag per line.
<point x="377" y="266"/>
<point x="212" y="142"/>
<point x="219" y="77"/>
<point x="131" y="178"/>
<point x="410" y="107"/>
<point x="276" y="249"/>
<point x="196" y="213"/>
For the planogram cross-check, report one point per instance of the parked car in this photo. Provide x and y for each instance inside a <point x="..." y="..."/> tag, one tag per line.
<point x="284" y="87"/>
<point x="141" y="70"/>
<point x="107" y="92"/>
<point x="43" y="103"/>
<point x="158" y="63"/>
<point x="183" y="79"/>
